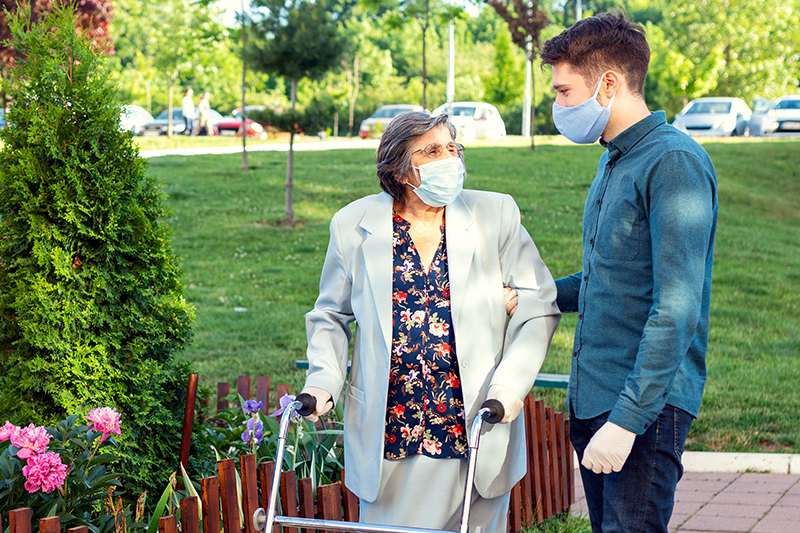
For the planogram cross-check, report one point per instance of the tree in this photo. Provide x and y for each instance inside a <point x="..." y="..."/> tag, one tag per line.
<point x="502" y="83"/>
<point x="91" y="305"/>
<point x="295" y="39"/>
<point x="525" y="22"/>
<point x="729" y="48"/>
<point x="92" y="17"/>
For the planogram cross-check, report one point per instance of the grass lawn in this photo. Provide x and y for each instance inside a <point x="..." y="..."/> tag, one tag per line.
<point x="252" y="280"/>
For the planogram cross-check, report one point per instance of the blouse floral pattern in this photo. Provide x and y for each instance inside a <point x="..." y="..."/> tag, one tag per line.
<point x="425" y="408"/>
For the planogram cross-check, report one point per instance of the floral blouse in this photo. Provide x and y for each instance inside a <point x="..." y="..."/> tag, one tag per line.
<point x="425" y="408"/>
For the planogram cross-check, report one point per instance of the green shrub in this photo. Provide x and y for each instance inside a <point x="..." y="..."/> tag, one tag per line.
<point x="91" y="305"/>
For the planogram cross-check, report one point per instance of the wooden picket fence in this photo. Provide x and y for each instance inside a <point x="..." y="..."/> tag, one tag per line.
<point x="547" y="489"/>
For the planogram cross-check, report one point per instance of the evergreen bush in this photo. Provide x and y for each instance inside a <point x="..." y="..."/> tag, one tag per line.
<point x="91" y="305"/>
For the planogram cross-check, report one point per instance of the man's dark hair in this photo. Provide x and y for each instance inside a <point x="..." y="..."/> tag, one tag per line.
<point x="608" y="41"/>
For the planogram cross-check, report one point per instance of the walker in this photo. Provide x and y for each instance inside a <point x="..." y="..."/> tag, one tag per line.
<point x="491" y="411"/>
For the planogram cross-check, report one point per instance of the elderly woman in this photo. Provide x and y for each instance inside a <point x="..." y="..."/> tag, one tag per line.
<point x="421" y="268"/>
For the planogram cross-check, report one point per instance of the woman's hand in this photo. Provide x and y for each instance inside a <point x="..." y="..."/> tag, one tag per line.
<point x="324" y="402"/>
<point x="510" y="296"/>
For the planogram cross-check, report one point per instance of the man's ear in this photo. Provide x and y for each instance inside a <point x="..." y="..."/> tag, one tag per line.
<point x="611" y="84"/>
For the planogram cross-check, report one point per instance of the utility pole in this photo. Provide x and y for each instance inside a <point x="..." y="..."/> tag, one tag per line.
<point x="451" y="77"/>
<point x="526" y="94"/>
<point x="244" y="89"/>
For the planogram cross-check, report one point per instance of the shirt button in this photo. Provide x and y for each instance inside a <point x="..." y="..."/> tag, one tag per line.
<point x="599" y="202"/>
<point x="465" y="364"/>
<point x="591" y="241"/>
<point x="580" y="317"/>
<point x="585" y="278"/>
<point x="574" y="354"/>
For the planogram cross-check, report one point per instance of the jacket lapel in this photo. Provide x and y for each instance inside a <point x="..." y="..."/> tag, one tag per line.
<point x="378" y="258"/>
<point x="460" y="249"/>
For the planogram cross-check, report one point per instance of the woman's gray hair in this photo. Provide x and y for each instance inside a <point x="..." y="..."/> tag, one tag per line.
<point x="393" y="158"/>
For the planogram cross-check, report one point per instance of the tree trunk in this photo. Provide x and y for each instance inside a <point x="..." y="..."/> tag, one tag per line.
<point x="353" y="94"/>
<point x="244" y="88"/>
<point x="290" y="164"/>
<point x="533" y="108"/>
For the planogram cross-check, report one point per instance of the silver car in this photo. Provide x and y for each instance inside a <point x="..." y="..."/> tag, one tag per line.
<point x="475" y="120"/>
<point x="785" y="114"/>
<point x="714" y="117"/>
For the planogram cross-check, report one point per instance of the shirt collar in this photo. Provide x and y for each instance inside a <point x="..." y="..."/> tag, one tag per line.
<point x="622" y="143"/>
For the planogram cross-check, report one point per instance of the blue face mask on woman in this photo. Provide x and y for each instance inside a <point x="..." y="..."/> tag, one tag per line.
<point x="584" y="123"/>
<point x="440" y="181"/>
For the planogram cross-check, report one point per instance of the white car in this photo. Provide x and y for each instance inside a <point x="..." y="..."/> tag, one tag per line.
<point x="714" y="117"/>
<point x="475" y="120"/>
<point x="377" y="122"/>
<point x="133" y="118"/>
<point x="785" y="115"/>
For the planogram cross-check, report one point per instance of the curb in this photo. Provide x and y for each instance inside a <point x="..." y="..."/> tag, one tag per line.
<point x="273" y="147"/>
<point x="777" y="463"/>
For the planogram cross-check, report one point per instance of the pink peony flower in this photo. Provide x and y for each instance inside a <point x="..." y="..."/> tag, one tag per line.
<point x="30" y="441"/>
<point x="7" y="431"/>
<point x="44" y="472"/>
<point x="104" y="420"/>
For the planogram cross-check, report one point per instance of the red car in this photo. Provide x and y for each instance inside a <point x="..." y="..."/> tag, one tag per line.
<point x="232" y="125"/>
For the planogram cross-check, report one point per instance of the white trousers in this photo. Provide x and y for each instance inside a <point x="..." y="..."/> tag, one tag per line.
<point x="420" y="491"/>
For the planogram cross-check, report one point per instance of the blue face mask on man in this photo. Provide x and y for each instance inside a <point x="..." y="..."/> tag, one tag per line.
<point x="584" y="123"/>
<point x="440" y="181"/>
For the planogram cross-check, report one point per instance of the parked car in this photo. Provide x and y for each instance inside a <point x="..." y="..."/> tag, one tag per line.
<point x="785" y="114"/>
<point x="133" y="118"/>
<point x="762" y="121"/>
<point x="232" y="125"/>
<point x="381" y="118"/>
<point x="159" y="125"/>
<point x="714" y="117"/>
<point x="475" y="120"/>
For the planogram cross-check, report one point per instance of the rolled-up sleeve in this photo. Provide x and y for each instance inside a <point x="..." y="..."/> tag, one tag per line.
<point x="681" y="207"/>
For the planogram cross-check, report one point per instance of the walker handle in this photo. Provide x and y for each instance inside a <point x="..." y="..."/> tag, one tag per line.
<point x="308" y="404"/>
<point x="496" y="411"/>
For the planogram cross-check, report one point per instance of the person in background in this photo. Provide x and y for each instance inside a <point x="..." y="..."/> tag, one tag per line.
<point x="421" y="269"/>
<point x="187" y="108"/>
<point x="204" y="115"/>
<point x="642" y="297"/>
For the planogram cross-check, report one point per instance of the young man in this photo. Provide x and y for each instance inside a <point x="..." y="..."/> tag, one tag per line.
<point x="642" y="298"/>
<point x="187" y="107"/>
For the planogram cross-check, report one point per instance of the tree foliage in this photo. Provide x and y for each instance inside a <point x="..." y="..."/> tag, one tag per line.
<point x="91" y="305"/>
<point x="729" y="48"/>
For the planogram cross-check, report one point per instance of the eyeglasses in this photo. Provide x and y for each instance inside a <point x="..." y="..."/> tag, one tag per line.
<point x="435" y="150"/>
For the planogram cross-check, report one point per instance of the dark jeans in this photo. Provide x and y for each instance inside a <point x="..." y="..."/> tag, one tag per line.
<point x="189" y="126"/>
<point x="640" y="497"/>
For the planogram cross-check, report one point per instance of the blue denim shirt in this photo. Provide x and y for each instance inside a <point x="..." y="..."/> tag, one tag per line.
<point x="643" y="295"/>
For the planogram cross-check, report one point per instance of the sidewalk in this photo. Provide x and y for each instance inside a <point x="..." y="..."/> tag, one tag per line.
<point x="728" y="502"/>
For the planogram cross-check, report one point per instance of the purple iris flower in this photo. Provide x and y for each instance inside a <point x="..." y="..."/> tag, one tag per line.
<point x="285" y="400"/>
<point x="254" y="432"/>
<point x="251" y="407"/>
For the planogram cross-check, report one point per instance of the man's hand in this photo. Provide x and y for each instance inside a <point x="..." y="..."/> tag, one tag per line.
<point x="608" y="449"/>
<point x="510" y="296"/>
<point x="512" y="405"/>
<point x="324" y="402"/>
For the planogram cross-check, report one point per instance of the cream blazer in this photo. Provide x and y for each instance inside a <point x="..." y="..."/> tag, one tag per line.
<point x="487" y="248"/>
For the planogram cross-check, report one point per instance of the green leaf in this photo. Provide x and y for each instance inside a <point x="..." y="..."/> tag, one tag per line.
<point x="159" y="510"/>
<point x="192" y="492"/>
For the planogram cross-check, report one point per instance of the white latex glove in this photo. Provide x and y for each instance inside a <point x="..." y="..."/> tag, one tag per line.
<point x="510" y="296"/>
<point x="608" y="449"/>
<point x="512" y="405"/>
<point x="324" y="402"/>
